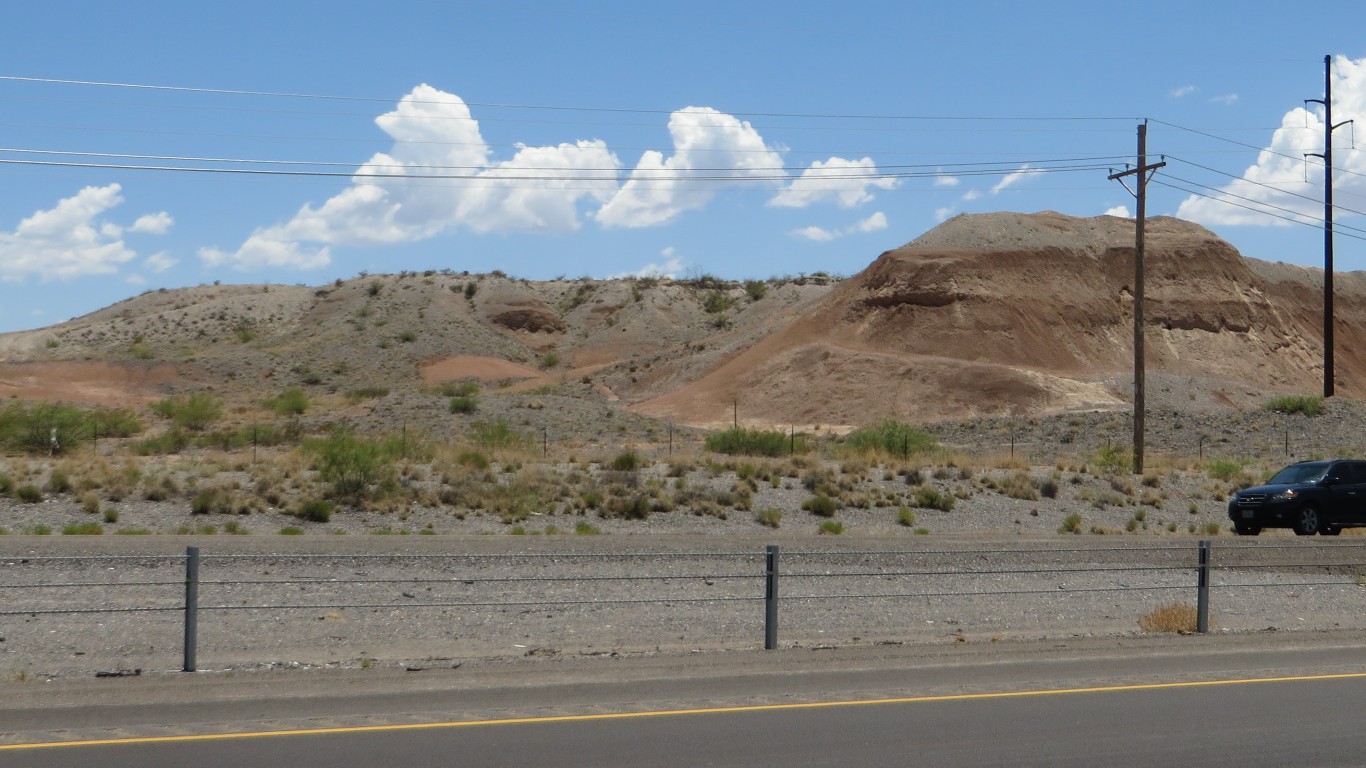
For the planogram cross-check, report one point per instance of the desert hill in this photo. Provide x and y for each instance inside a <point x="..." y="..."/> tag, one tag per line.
<point x="986" y="314"/>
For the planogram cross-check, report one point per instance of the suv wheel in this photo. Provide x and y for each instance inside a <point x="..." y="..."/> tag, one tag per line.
<point x="1307" y="521"/>
<point x="1247" y="529"/>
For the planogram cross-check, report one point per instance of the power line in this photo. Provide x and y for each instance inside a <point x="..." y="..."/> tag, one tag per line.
<point x="1264" y="185"/>
<point x="1315" y="224"/>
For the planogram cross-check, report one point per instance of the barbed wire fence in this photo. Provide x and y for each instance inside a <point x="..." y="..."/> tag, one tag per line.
<point x="329" y="608"/>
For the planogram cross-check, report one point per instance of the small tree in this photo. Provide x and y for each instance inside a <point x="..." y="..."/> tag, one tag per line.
<point x="350" y="463"/>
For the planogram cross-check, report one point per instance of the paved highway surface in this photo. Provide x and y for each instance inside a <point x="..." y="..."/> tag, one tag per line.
<point x="1241" y="702"/>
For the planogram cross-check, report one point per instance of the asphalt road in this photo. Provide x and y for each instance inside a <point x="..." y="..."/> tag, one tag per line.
<point x="1243" y="703"/>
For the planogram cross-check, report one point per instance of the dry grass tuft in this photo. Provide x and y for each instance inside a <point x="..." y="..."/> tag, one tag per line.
<point x="1174" y="617"/>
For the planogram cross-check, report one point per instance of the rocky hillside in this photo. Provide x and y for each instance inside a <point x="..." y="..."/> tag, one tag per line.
<point x="992" y="314"/>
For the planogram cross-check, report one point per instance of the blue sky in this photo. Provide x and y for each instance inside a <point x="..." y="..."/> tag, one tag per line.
<point x="743" y="139"/>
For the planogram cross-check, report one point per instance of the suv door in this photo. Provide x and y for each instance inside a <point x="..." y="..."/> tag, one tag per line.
<point x="1345" y="485"/>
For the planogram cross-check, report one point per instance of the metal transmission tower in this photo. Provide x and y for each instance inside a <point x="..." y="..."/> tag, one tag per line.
<point x="1140" y="193"/>
<point x="1327" y="155"/>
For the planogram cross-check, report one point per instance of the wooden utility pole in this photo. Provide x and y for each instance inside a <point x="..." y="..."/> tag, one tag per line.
<point x="1327" y="155"/>
<point x="1141" y="194"/>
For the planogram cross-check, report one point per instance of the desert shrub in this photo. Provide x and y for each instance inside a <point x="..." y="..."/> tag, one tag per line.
<point x="291" y="402"/>
<point x="26" y="427"/>
<point x="1174" y="617"/>
<point x="832" y="527"/>
<point x="366" y="393"/>
<point x="1048" y="488"/>
<point x="905" y="517"/>
<point x="473" y="459"/>
<point x="351" y="464"/>
<point x="29" y="494"/>
<point x="316" y="510"/>
<point x="1308" y="405"/>
<point x="821" y="505"/>
<point x="1070" y="524"/>
<point x="173" y="440"/>
<point x="38" y="529"/>
<point x="193" y="412"/>
<point x="291" y="530"/>
<point x="498" y="435"/>
<point x="1224" y="469"/>
<point x="88" y="528"/>
<point x="470" y="290"/>
<point x="756" y="289"/>
<point x="6" y="484"/>
<point x="890" y="437"/>
<point x="755" y="442"/>
<point x="627" y="461"/>
<point x="586" y="529"/>
<point x="456" y="389"/>
<point x="717" y="301"/>
<point x="548" y="360"/>
<point x="1113" y="459"/>
<point x="769" y="516"/>
<point x="111" y="515"/>
<point x="1019" y="486"/>
<point x="464" y="404"/>
<point x="632" y="508"/>
<point x="58" y="481"/>
<point x="932" y="498"/>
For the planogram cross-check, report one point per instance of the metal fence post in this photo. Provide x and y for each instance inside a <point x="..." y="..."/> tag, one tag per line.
<point x="191" y="606"/>
<point x="1202" y="590"/>
<point x="771" y="597"/>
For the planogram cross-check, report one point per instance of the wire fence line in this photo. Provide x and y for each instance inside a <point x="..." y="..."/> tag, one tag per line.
<point x="825" y="592"/>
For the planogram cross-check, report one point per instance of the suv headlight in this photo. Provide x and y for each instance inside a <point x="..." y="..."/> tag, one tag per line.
<point x="1288" y="494"/>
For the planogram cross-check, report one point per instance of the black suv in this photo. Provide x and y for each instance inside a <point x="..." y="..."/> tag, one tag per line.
<point x="1310" y="497"/>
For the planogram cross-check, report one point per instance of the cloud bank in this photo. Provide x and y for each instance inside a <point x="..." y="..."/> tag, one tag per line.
<point x="440" y="175"/>
<point x="73" y="239"/>
<point x="1282" y="176"/>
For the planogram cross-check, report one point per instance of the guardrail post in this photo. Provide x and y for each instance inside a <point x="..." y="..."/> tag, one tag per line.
<point x="771" y="597"/>
<point x="191" y="606"/>
<point x="1202" y="590"/>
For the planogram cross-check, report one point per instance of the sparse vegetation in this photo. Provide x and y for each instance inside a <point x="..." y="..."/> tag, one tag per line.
<point x="1306" y="405"/>
<point x="892" y="438"/>
<point x="193" y="412"/>
<point x="1174" y="617"/>
<point x="755" y="442"/>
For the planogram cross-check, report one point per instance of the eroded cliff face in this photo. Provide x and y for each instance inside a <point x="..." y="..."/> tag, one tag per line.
<point x="1025" y="314"/>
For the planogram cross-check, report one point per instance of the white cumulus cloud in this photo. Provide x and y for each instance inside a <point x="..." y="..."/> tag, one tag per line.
<point x="67" y="241"/>
<point x="874" y="223"/>
<point x="159" y="262"/>
<point x="943" y="214"/>
<point x="1282" y="176"/>
<point x="671" y="267"/>
<point x="707" y="143"/>
<point x="153" y="224"/>
<point x="538" y="189"/>
<point x="1121" y="211"/>
<point x="845" y="181"/>
<point x="945" y="180"/>
<point x="1184" y="90"/>
<point x="1228" y="99"/>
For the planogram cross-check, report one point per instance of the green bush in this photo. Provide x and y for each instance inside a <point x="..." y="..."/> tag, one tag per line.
<point x="1308" y="405"/>
<point x="495" y="435"/>
<point x="1224" y="469"/>
<point x="717" y="301"/>
<point x="821" y="505"/>
<point x="756" y="289"/>
<point x="892" y="438"/>
<point x="905" y="517"/>
<point x="1114" y="459"/>
<point x="171" y="441"/>
<point x="29" y="494"/>
<point x="930" y="498"/>
<point x="291" y="402"/>
<point x="770" y="517"/>
<point x="26" y="427"/>
<point x="366" y="393"/>
<point x="833" y="527"/>
<point x="1070" y="524"/>
<point x="586" y="529"/>
<point x="193" y="412"/>
<point x="90" y="528"/>
<point x="349" y="463"/>
<point x="291" y="530"/>
<point x="456" y="389"/>
<point x="316" y="511"/>
<point x="464" y="404"/>
<point x="755" y="442"/>
<point x="627" y="461"/>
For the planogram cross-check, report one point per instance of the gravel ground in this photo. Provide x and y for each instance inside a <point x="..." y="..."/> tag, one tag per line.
<point x="441" y="600"/>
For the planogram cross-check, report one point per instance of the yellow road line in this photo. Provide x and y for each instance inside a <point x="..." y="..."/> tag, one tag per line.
<point x="673" y="712"/>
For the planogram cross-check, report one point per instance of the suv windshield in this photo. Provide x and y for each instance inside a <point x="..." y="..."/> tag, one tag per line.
<point x="1300" y="473"/>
